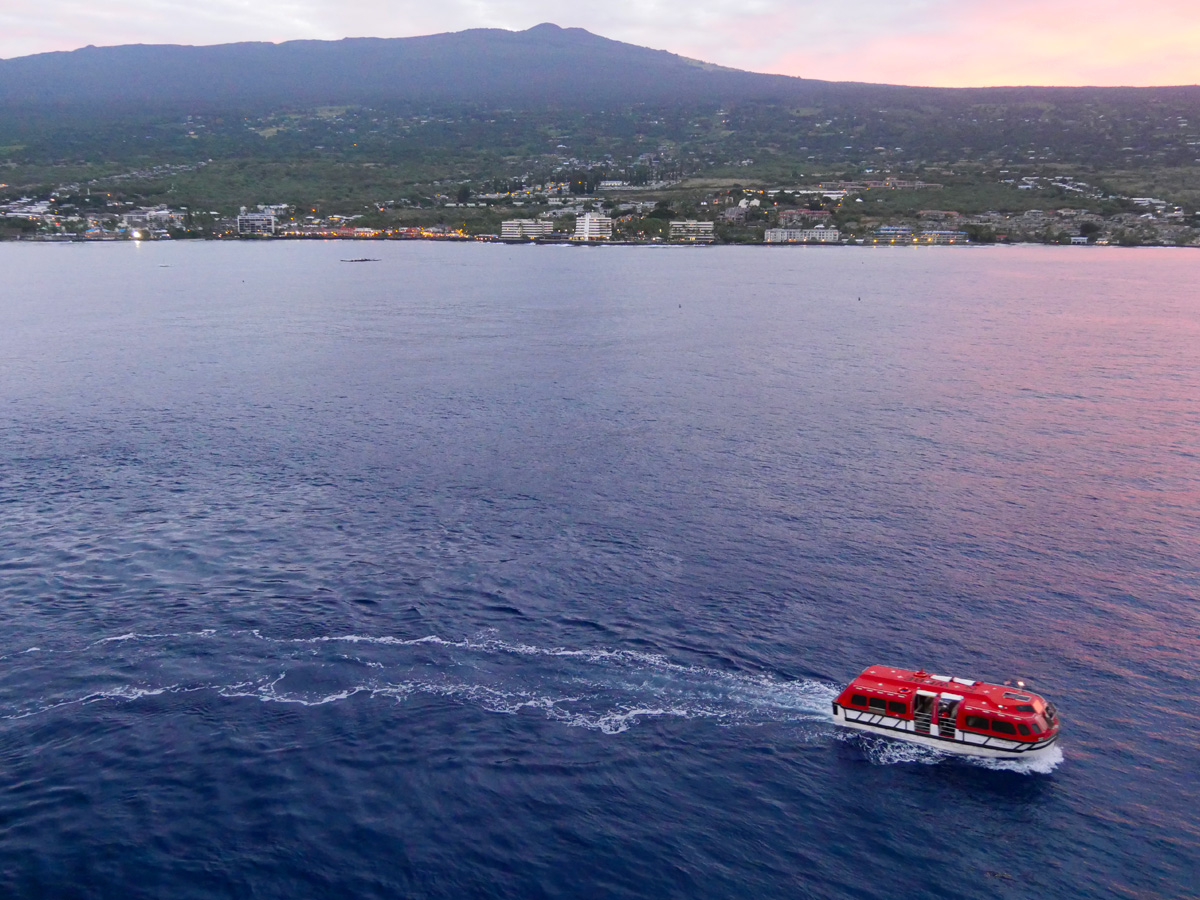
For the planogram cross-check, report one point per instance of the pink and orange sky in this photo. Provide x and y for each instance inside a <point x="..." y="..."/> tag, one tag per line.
<point x="949" y="43"/>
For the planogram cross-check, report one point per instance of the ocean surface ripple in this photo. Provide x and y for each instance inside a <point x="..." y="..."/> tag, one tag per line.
<point x="491" y="571"/>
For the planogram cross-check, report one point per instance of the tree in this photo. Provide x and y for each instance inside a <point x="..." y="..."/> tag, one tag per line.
<point x="16" y="227"/>
<point x="980" y="234"/>
<point x="652" y="227"/>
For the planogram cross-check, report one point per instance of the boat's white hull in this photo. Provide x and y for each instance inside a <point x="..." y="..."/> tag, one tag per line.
<point x="963" y="743"/>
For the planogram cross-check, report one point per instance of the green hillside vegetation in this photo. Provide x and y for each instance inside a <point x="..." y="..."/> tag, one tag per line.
<point x="358" y="155"/>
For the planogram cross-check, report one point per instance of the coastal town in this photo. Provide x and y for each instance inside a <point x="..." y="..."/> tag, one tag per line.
<point x="835" y="212"/>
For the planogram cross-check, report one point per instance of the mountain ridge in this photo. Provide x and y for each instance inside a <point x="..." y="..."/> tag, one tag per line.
<point x="428" y="67"/>
<point x="543" y="63"/>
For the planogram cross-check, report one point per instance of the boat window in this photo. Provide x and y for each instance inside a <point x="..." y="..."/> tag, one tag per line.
<point x="1003" y="727"/>
<point x="1024" y="729"/>
<point x="858" y="700"/>
<point x="1036" y="728"/>
<point x="978" y="722"/>
<point x="1027" y="709"/>
<point x="897" y="708"/>
<point x="877" y="703"/>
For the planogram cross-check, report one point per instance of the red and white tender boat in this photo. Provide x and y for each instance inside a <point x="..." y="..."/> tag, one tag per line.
<point x="956" y="715"/>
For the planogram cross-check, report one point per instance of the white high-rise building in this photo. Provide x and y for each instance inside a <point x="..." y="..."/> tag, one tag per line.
<point x="592" y="227"/>
<point x="818" y="235"/>
<point x="519" y="229"/>
<point x="256" y="223"/>
<point x="692" y="231"/>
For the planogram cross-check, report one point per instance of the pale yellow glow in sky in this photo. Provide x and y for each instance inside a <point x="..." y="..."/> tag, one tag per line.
<point x="1069" y="42"/>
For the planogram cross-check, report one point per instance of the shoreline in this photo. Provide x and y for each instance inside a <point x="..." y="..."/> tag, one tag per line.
<point x="460" y="239"/>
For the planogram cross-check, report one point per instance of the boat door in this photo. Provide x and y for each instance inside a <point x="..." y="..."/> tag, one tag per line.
<point x="947" y="708"/>
<point x="923" y="709"/>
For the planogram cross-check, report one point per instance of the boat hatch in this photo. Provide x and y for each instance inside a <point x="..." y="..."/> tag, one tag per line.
<point x="947" y="714"/>
<point x="945" y="679"/>
<point x="923" y="711"/>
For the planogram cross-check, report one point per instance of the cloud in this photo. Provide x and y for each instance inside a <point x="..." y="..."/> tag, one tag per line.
<point x="69" y="24"/>
<point x="939" y="42"/>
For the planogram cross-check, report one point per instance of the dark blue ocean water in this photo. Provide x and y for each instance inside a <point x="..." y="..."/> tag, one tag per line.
<point x="483" y="571"/>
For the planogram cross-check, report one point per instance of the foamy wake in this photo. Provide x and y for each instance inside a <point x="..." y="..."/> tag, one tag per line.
<point x="604" y="689"/>
<point x="1041" y="762"/>
<point x="886" y="752"/>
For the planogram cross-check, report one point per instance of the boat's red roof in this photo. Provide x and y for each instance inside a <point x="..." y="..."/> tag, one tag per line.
<point x="887" y="681"/>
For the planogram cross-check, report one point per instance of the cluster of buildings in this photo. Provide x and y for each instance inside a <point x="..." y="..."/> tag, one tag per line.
<point x="888" y="184"/>
<point x="27" y="208"/>
<point x="1165" y="224"/>
<point x="156" y="221"/>
<point x="55" y="223"/>
<point x="596" y="227"/>
<point x="549" y="193"/>
<point x="1159" y="223"/>
<point x="902" y="234"/>
<point x="827" y="213"/>
<point x="589" y="226"/>
<point x="276" y="221"/>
